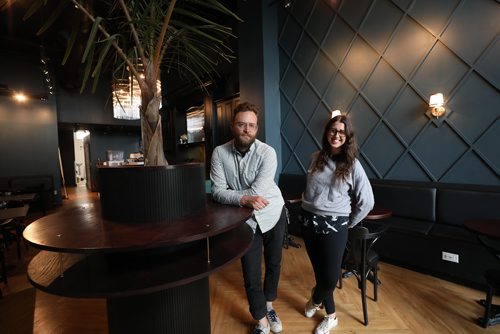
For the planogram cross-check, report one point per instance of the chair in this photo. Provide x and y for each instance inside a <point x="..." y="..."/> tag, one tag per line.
<point x="12" y="229"/>
<point x="287" y="238"/>
<point x="492" y="277"/>
<point x="3" y="266"/>
<point x="362" y="261"/>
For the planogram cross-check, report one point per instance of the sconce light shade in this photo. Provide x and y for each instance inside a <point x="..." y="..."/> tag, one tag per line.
<point x="336" y="113"/>
<point x="436" y="103"/>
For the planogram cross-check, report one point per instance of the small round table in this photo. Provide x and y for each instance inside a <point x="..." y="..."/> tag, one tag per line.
<point x="487" y="227"/>
<point x="150" y="273"/>
<point x="378" y="213"/>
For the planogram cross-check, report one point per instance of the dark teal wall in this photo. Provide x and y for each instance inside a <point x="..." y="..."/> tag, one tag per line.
<point x="259" y="66"/>
<point x="28" y="131"/>
<point x="379" y="61"/>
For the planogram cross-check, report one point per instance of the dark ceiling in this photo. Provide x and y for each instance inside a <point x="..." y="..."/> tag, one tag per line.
<point x="19" y="37"/>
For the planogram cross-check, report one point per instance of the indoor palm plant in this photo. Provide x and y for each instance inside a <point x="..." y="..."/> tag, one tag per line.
<point x="142" y="37"/>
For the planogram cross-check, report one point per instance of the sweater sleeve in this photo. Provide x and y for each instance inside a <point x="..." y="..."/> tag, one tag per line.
<point x="363" y="200"/>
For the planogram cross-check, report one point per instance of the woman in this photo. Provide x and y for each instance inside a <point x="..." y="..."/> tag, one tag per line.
<point x="338" y="196"/>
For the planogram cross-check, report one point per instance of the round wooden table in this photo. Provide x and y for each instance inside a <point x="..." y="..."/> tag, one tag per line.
<point x="487" y="227"/>
<point x="150" y="273"/>
<point x="378" y="213"/>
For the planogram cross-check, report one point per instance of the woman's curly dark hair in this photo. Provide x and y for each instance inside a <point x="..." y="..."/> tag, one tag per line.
<point x="345" y="160"/>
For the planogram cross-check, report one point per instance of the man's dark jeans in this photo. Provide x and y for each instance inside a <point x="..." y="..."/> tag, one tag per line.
<point x="272" y="242"/>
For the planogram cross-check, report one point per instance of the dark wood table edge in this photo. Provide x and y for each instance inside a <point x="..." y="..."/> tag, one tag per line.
<point x="203" y="231"/>
<point x="238" y="240"/>
<point x="378" y="213"/>
<point x="161" y="302"/>
<point x="477" y="226"/>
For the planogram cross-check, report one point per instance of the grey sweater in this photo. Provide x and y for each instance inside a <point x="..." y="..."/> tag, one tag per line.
<point x="325" y="197"/>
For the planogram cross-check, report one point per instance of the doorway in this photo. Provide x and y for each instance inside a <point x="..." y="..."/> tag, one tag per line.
<point x="81" y="156"/>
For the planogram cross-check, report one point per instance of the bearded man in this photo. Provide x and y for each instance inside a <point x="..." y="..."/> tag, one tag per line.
<point x="242" y="173"/>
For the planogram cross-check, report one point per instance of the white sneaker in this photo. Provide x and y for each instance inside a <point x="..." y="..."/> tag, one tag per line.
<point x="311" y="308"/>
<point x="259" y="329"/>
<point x="327" y="324"/>
<point x="274" y="321"/>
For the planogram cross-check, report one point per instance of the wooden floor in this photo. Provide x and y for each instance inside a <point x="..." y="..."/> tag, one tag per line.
<point x="409" y="302"/>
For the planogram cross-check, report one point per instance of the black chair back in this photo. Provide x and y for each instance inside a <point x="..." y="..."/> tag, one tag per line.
<point x="361" y="260"/>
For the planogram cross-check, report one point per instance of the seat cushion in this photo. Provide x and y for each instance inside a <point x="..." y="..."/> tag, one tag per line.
<point x="406" y="225"/>
<point x="453" y="232"/>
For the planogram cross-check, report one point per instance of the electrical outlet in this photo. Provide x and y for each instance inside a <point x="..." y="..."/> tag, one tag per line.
<point x="450" y="257"/>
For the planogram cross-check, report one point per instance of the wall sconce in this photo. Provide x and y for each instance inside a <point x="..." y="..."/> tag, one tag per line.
<point x="19" y="97"/>
<point x="436" y="103"/>
<point x="336" y="113"/>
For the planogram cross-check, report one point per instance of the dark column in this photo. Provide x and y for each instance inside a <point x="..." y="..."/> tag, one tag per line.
<point x="259" y="67"/>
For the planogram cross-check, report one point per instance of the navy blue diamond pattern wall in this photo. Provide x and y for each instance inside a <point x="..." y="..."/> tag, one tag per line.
<point x="379" y="61"/>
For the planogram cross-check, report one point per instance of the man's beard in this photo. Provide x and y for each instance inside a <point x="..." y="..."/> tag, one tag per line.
<point x="243" y="144"/>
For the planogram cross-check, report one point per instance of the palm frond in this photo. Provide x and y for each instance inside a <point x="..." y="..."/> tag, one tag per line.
<point x="53" y="17"/>
<point x="71" y="41"/>
<point x="102" y="56"/>
<point x="92" y="37"/>
<point x="88" y="69"/>
<point x="35" y="6"/>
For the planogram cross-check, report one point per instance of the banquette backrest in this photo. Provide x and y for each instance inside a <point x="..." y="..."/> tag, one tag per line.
<point x="417" y="202"/>
<point x="454" y="206"/>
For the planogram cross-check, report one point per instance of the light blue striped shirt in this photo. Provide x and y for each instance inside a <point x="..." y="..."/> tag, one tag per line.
<point x="234" y="176"/>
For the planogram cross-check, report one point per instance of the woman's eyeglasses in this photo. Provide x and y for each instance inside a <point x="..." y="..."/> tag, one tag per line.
<point x="335" y="132"/>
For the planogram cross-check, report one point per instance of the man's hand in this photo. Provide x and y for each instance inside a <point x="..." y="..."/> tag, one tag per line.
<point x="254" y="202"/>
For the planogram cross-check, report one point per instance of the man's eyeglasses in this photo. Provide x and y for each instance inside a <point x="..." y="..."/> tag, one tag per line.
<point x="335" y="132"/>
<point x="249" y="126"/>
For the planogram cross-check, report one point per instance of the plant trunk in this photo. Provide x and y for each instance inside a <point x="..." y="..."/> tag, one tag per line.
<point x="152" y="135"/>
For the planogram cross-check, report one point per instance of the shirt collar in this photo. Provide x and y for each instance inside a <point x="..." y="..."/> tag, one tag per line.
<point x="250" y="149"/>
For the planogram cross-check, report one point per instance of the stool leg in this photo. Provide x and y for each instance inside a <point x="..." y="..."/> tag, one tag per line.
<point x="3" y="266"/>
<point x="363" y="299"/>
<point x="487" y="309"/>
